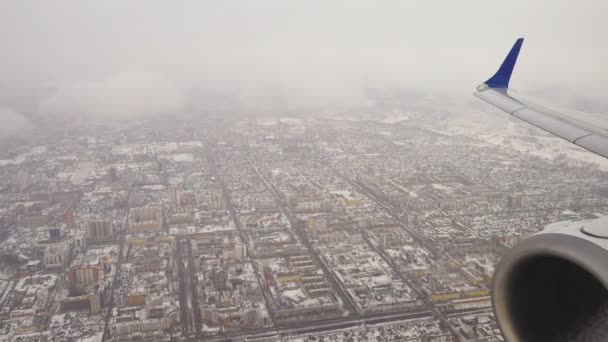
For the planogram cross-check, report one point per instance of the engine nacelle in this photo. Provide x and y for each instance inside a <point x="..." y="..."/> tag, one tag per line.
<point x="553" y="286"/>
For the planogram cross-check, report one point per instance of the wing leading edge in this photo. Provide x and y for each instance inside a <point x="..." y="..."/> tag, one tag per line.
<point x="592" y="136"/>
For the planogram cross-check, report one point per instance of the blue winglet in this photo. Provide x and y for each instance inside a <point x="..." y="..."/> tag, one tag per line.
<point x="502" y="77"/>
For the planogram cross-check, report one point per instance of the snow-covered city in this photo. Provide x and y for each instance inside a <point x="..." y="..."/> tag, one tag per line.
<point x="262" y="230"/>
<point x="303" y="171"/>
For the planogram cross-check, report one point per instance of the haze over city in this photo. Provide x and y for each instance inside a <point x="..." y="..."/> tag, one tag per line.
<point x="114" y="59"/>
<point x="289" y="171"/>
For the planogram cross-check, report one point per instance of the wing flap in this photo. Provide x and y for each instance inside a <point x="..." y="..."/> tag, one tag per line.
<point x="550" y="124"/>
<point x="594" y="143"/>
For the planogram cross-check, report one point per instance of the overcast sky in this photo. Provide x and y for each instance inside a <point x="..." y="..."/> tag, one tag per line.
<point x="135" y="58"/>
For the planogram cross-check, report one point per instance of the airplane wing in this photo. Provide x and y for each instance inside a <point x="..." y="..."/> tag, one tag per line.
<point x="587" y="132"/>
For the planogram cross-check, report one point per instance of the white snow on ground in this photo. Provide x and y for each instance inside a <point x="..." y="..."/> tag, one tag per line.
<point x="95" y="338"/>
<point x="395" y="117"/>
<point x="289" y="120"/>
<point x="182" y="157"/>
<point x="521" y="137"/>
<point x="16" y="161"/>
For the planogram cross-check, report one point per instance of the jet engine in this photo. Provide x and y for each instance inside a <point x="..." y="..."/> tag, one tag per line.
<point x="553" y="286"/>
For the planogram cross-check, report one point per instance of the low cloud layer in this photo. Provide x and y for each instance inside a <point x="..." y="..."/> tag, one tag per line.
<point x="116" y="59"/>
<point x="127" y="95"/>
<point x="12" y="123"/>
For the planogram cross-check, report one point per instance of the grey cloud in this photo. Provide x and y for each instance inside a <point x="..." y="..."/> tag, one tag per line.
<point x="125" y="95"/>
<point x="295" y="56"/>
<point x="12" y="123"/>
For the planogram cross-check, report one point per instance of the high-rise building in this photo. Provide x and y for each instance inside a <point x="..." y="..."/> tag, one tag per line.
<point x="95" y="304"/>
<point x="251" y="317"/>
<point x="56" y="255"/>
<point x="515" y="202"/>
<point x="240" y="251"/>
<point x="84" y="275"/>
<point x="219" y="277"/>
<point x="209" y="315"/>
<point x="216" y="200"/>
<point x="140" y="326"/>
<point x="315" y="224"/>
<point x="145" y="219"/>
<point x="186" y="199"/>
<point x="69" y="218"/>
<point x="100" y="230"/>
<point x="173" y="196"/>
<point x="80" y="245"/>
<point x="55" y="234"/>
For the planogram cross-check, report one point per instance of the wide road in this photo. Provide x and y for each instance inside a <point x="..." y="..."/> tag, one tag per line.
<point x="188" y="298"/>
<point x="193" y="271"/>
<point x="183" y="295"/>
<point x="110" y="302"/>
<point x="419" y="238"/>
<point x="331" y="324"/>
<point x="346" y="299"/>
<point x="319" y="326"/>
<point x="239" y="227"/>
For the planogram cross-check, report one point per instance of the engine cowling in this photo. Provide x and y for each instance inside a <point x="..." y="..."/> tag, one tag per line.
<point x="553" y="286"/>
